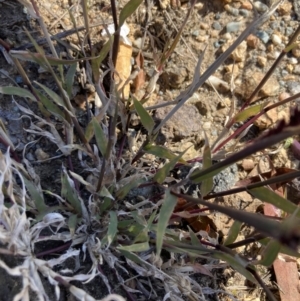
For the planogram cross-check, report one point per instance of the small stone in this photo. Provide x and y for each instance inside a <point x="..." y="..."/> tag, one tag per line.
<point x="41" y="155"/>
<point x="292" y="60"/>
<point x="261" y="61"/>
<point x="289" y="68"/>
<point x="30" y="157"/>
<point x="283" y="96"/>
<point x="276" y="39"/>
<point x="216" y="25"/>
<point x="296" y="70"/>
<point x="233" y="26"/>
<point x="207" y="125"/>
<point x="214" y="33"/>
<point x="244" y="13"/>
<point x="233" y="11"/>
<point x="296" y="51"/>
<point x="266" y="120"/>
<point x="246" y="5"/>
<point x="261" y="7"/>
<point x="240" y="52"/>
<point x="247" y="164"/>
<point x="227" y="36"/>
<point x="284" y="115"/>
<point x="204" y="25"/>
<point x="263" y="36"/>
<point x="285" y="8"/>
<point x="250" y="82"/>
<point x="289" y="31"/>
<point x="252" y="41"/>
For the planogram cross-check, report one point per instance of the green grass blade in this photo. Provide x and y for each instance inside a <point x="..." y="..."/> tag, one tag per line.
<point x="271" y="197"/>
<point x="37" y="196"/>
<point x="100" y="136"/>
<point x="72" y="222"/>
<point x="51" y="107"/>
<point x="161" y="152"/>
<point x="17" y="92"/>
<point x="162" y="173"/>
<point x="165" y="213"/>
<point x="128" y="10"/>
<point x="55" y="97"/>
<point x="96" y="62"/>
<point x="112" y="227"/>
<point x="69" y="192"/>
<point x="270" y="253"/>
<point x="70" y="79"/>
<point x="146" y="119"/>
<point x="139" y="247"/>
<point x="233" y="233"/>
<point x="133" y="183"/>
<point x="249" y="112"/>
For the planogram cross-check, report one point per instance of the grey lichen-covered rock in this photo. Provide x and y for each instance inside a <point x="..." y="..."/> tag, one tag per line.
<point x="184" y="123"/>
<point x="221" y="182"/>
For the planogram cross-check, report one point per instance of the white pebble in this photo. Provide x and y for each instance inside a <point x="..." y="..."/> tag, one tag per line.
<point x="276" y="39"/>
<point x="293" y="60"/>
<point x="261" y="7"/>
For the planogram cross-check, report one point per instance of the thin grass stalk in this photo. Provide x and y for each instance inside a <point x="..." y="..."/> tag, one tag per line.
<point x="251" y="121"/>
<point x="115" y="48"/>
<point x="271" y="70"/>
<point x="111" y="140"/>
<point x="44" y="29"/>
<point x="274" y="180"/>
<point x="86" y="22"/>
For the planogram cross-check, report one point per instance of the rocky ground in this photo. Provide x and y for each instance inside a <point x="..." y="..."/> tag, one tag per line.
<point x="213" y="24"/>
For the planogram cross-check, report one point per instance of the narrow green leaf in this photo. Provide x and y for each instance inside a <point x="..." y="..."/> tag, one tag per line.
<point x="238" y="264"/>
<point x="72" y="222"/>
<point x="161" y="152"/>
<point x="271" y="197"/>
<point x="37" y="196"/>
<point x="70" y="79"/>
<point x="17" y="91"/>
<point x="112" y="227"/>
<point x="165" y="213"/>
<point x="69" y="192"/>
<point x="194" y="239"/>
<point x="128" y="10"/>
<point x="51" y="107"/>
<point x="249" y="112"/>
<point x="162" y="173"/>
<point x="139" y="247"/>
<point x="133" y="257"/>
<point x="207" y="184"/>
<point x="96" y="62"/>
<point x="146" y="119"/>
<point x="270" y="253"/>
<point x="233" y="233"/>
<point x="55" y="97"/>
<point x="104" y="192"/>
<point x="133" y="183"/>
<point x="100" y="136"/>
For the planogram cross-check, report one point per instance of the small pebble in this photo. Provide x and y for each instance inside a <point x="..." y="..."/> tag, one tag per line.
<point x="227" y="36"/>
<point x="247" y="164"/>
<point x="246" y="5"/>
<point x="252" y="41"/>
<point x="289" y="31"/>
<point x="19" y="79"/>
<point x="297" y="70"/>
<point x="263" y="36"/>
<point x="261" y="7"/>
<point x="30" y="157"/>
<point x="244" y="12"/>
<point x="274" y="25"/>
<point x="296" y="51"/>
<point x="292" y="60"/>
<point x="216" y="25"/>
<point x="283" y="96"/>
<point x="233" y="26"/>
<point x="276" y="39"/>
<point x="233" y="11"/>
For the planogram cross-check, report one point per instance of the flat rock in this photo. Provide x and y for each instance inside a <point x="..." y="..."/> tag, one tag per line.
<point x="184" y="123"/>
